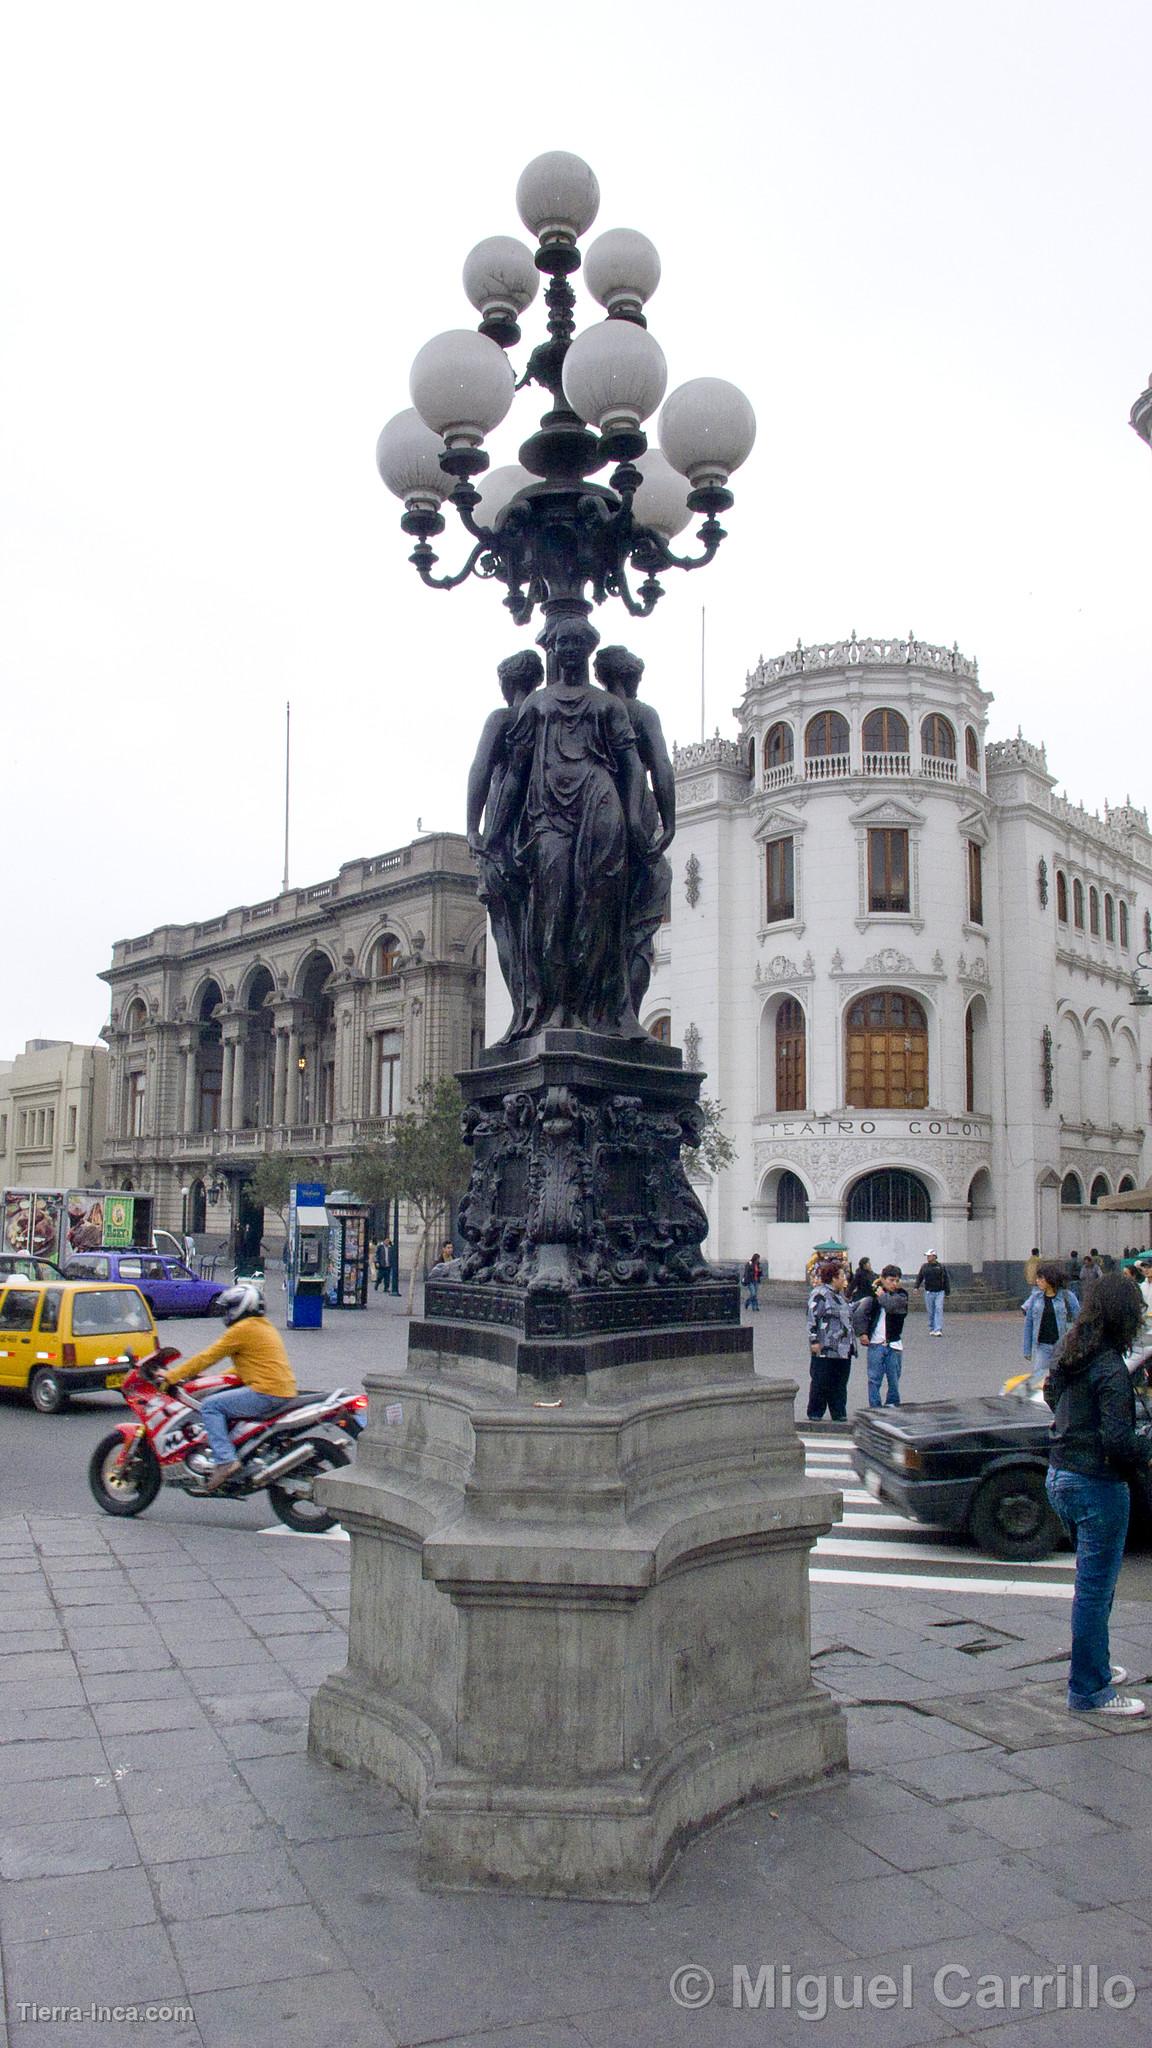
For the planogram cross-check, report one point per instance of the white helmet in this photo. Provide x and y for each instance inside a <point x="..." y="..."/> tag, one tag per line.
<point x="236" y="1302"/>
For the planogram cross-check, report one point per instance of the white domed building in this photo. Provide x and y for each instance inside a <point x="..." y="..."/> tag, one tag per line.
<point x="905" y="965"/>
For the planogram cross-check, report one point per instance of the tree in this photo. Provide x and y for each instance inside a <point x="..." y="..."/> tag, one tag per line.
<point x="715" y="1150"/>
<point x="273" y="1178"/>
<point x="422" y="1162"/>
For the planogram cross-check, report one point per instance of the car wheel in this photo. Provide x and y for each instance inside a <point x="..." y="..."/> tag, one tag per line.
<point x="47" y="1392"/>
<point x="212" y="1309"/>
<point x="291" y="1497"/>
<point x="123" y="1485"/>
<point x="1011" y="1516"/>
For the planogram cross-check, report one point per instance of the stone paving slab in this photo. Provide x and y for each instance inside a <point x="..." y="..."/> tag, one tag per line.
<point x="164" y="1835"/>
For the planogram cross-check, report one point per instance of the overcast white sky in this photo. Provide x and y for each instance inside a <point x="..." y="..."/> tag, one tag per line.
<point x="915" y="231"/>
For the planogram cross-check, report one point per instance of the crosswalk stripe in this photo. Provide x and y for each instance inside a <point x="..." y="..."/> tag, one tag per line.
<point x="856" y="1546"/>
<point x="1037" y="1589"/>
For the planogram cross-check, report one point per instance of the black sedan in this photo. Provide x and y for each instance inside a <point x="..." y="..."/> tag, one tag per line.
<point x="976" y="1467"/>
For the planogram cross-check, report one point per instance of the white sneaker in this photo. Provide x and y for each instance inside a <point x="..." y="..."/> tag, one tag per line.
<point x="1122" y="1708"/>
<point x="1117" y="1674"/>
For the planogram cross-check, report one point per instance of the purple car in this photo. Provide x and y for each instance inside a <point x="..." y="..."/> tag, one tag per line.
<point x="168" y="1286"/>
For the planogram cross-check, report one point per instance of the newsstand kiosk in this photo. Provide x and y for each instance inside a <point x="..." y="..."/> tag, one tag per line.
<point x="347" y="1278"/>
<point x="307" y="1256"/>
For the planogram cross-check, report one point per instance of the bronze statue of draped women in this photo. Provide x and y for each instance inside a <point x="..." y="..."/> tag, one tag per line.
<point x="571" y="807"/>
<point x="650" y="874"/>
<point x="503" y="889"/>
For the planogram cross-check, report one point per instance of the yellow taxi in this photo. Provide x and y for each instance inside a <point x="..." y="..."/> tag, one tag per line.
<point x="70" y="1337"/>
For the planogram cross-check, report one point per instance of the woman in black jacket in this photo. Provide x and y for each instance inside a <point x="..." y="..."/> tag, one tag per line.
<point x="1094" y="1448"/>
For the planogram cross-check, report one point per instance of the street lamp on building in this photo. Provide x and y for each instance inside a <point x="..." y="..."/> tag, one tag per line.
<point x="215" y="1190"/>
<point x="1140" y="417"/>
<point x="540" y="526"/>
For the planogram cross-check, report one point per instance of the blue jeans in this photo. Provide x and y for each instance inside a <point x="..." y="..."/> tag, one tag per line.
<point x="934" y="1303"/>
<point x="1095" y="1514"/>
<point x="235" y="1404"/>
<point x="753" y="1300"/>
<point x="883" y="1361"/>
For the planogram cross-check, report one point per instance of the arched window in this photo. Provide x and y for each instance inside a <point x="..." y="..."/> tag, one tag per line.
<point x="1110" y="919"/>
<point x="972" y="749"/>
<point x="791" y="1075"/>
<point x="661" y="1030"/>
<point x="1124" y="925"/>
<point x="791" y="1199"/>
<point x="386" y="955"/>
<point x="825" y="734"/>
<point x="889" y="1196"/>
<point x="1071" y="1192"/>
<point x="135" y="1018"/>
<point x="1099" y="1187"/>
<point x="1094" y="912"/>
<point x="779" y="746"/>
<point x="1127" y="1185"/>
<point x="938" y="738"/>
<point x="1061" y="896"/>
<point x="885" y="732"/>
<point x="886" y="1052"/>
<point x="1078" y="905"/>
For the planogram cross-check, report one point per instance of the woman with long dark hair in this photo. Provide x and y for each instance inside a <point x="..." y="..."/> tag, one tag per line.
<point x="1094" y="1448"/>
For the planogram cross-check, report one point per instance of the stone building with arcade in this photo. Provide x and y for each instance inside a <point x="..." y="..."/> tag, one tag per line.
<point x="301" y="1025"/>
<point x="906" y="965"/>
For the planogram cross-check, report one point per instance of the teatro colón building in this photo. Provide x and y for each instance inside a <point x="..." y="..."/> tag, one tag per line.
<point x="905" y="965"/>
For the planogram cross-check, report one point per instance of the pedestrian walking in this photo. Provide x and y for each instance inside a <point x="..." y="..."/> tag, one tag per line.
<point x="1094" y="1450"/>
<point x="751" y="1279"/>
<point x="383" y="1257"/>
<point x="1049" y="1311"/>
<point x="880" y="1323"/>
<point x="1090" y="1271"/>
<point x="831" y="1343"/>
<point x="933" y="1278"/>
<point x="1030" y="1265"/>
<point x="863" y="1281"/>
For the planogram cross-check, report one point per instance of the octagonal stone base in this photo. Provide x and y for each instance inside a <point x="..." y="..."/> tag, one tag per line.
<point x="579" y="1626"/>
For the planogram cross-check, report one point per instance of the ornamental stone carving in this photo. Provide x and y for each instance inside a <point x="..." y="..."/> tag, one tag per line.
<point x="692" y="1049"/>
<point x="781" y="968"/>
<point x="696" y="792"/>
<point x="854" y="653"/>
<point x="716" y="752"/>
<point x="692" y="881"/>
<point x="890" y="960"/>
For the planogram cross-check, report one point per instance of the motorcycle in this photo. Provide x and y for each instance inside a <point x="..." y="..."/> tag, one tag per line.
<point x="283" y="1454"/>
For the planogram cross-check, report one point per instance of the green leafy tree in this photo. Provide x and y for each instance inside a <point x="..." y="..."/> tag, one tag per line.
<point x="715" y="1150"/>
<point x="422" y="1161"/>
<point x="273" y="1178"/>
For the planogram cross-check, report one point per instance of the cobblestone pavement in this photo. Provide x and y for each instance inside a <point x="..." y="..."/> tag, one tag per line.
<point x="165" y="1840"/>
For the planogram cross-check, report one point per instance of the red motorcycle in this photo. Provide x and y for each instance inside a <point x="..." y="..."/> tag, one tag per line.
<point x="282" y="1454"/>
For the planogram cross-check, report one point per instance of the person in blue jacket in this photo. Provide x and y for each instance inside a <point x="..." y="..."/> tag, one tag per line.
<point x="1048" y="1311"/>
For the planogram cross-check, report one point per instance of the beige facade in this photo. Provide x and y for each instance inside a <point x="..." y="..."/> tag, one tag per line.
<point x="300" y="1025"/>
<point x="53" y="1109"/>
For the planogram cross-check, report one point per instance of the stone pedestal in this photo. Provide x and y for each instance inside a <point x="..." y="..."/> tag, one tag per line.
<point x="579" y="1628"/>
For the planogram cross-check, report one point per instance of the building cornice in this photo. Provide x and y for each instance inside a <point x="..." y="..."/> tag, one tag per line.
<point x="832" y="656"/>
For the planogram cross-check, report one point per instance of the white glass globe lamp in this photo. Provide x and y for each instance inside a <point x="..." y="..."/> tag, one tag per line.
<point x="557" y="197"/>
<point x="707" y="429"/>
<point x="615" y="376"/>
<point x="622" y="270"/>
<point x="662" y="499"/>
<point x="408" y="458"/>
<point x="497" y="489"/>
<point x="462" y="385"/>
<point x="501" y="279"/>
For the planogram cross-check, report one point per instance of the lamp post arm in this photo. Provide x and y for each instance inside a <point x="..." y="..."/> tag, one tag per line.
<point x="422" y="558"/>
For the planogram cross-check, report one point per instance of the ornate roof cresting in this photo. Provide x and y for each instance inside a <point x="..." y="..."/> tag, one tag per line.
<point x="855" y="653"/>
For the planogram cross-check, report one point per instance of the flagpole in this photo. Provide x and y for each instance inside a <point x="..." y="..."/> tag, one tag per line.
<point x="702" y="734"/>
<point x="287" y="784"/>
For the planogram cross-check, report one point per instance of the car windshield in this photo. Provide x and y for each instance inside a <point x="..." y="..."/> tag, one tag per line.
<point x="107" y="1311"/>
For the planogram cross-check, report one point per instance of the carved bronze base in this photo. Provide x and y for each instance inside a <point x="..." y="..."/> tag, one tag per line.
<point x="579" y="1217"/>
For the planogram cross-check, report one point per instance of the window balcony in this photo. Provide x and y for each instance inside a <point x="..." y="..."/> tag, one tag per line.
<point x="827" y="767"/>
<point x="887" y="764"/>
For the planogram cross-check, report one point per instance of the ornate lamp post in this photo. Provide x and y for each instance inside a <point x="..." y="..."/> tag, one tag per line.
<point x="595" y="1520"/>
<point x="540" y="526"/>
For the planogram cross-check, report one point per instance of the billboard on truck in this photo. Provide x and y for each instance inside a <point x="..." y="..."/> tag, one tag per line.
<point x="52" y="1223"/>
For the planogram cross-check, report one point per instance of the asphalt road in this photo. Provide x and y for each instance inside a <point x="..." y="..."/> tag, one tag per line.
<point x="44" y="1459"/>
